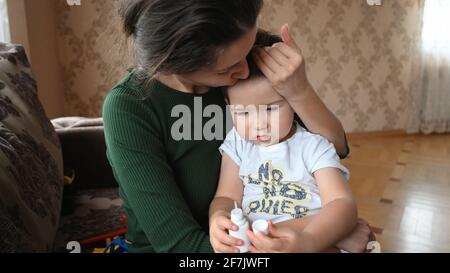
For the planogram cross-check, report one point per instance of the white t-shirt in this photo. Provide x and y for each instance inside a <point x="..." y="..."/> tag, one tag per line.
<point x="278" y="179"/>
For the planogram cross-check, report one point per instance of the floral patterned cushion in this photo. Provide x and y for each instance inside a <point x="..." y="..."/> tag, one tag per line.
<point x="31" y="166"/>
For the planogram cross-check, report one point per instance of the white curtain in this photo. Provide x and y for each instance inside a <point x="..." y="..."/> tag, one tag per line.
<point x="4" y="25"/>
<point x="431" y="70"/>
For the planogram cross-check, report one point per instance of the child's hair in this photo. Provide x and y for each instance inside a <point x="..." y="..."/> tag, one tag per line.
<point x="263" y="39"/>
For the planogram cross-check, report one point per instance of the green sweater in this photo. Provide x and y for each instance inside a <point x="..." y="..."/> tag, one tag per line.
<point x="166" y="185"/>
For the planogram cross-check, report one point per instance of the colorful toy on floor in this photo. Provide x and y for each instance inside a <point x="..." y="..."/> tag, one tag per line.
<point x="111" y="242"/>
<point x="118" y="245"/>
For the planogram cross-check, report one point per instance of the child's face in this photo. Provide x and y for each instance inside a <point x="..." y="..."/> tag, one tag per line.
<point x="260" y="114"/>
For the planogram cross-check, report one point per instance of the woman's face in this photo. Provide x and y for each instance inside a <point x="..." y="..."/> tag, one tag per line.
<point x="230" y="67"/>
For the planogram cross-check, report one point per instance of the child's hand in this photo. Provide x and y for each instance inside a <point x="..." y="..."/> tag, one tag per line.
<point x="283" y="64"/>
<point x="280" y="240"/>
<point x="221" y="241"/>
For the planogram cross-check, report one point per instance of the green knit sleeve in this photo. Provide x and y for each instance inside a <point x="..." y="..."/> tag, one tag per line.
<point x="137" y="155"/>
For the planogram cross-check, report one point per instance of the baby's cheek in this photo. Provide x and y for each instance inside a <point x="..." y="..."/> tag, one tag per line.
<point x="275" y="124"/>
<point x="286" y="123"/>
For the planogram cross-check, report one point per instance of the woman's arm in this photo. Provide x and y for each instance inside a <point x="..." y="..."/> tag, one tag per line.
<point x="318" y="119"/>
<point x="283" y="64"/>
<point x="137" y="155"/>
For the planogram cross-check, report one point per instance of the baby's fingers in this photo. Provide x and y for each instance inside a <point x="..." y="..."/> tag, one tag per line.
<point x="222" y="237"/>
<point x="223" y="248"/>
<point x="229" y="240"/>
<point x="225" y="223"/>
<point x="259" y="241"/>
<point x="252" y="249"/>
<point x="264" y="243"/>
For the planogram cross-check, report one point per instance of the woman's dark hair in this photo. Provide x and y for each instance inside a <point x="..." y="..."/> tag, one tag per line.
<point x="181" y="36"/>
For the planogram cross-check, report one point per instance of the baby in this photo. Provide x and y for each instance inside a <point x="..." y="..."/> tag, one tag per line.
<point x="280" y="172"/>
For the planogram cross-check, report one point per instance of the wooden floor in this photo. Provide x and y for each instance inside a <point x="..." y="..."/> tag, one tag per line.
<point x="402" y="187"/>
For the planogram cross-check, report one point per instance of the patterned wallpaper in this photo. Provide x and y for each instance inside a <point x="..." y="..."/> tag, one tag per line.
<point x="92" y="53"/>
<point x="358" y="56"/>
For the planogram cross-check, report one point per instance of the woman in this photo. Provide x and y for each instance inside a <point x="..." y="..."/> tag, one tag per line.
<point x="185" y="51"/>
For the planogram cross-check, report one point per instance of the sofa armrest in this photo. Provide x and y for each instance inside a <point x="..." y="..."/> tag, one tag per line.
<point x="84" y="151"/>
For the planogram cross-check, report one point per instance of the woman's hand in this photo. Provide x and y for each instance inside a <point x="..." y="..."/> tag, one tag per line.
<point x="283" y="64"/>
<point x="357" y="241"/>
<point x="221" y="241"/>
<point x="281" y="240"/>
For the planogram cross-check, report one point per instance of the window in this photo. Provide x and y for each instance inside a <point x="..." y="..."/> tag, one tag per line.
<point x="4" y="24"/>
<point x="436" y="31"/>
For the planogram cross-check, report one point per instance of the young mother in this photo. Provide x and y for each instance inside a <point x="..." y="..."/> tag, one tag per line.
<point x="185" y="50"/>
